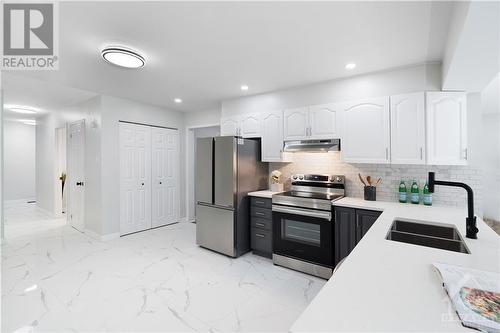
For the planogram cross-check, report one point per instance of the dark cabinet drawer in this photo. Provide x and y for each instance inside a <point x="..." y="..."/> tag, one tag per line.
<point x="259" y="223"/>
<point x="262" y="242"/>
<point x="263" y="213"/>
<point x="261" y="202"/>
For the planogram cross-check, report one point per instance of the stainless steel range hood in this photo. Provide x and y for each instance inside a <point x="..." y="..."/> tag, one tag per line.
<point x="318" y="146"/>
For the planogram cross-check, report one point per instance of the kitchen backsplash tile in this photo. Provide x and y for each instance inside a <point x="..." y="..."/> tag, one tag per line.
<point x="330" y="163"/>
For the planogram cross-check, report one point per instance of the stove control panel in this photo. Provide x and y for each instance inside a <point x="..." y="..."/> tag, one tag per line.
<point x="336" y="179"/>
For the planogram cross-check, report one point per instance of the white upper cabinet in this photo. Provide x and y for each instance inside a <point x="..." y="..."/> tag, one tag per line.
<point x="366" y="136"/>
<point x="250" y="125"/>
<point x="230" y="126"/>
<point x="247" y="126"/>
<point x="323" y="121"/>
<point x="408" y="128"/>
<point x="446" y="128"/>
<point x="296" y="124"/>
<point x="272" y="137"/>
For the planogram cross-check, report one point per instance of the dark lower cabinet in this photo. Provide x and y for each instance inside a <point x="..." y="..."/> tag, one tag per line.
<point x="261" y="231"/>
<point x="350" y="226"/>
<point x="344" y="233"/>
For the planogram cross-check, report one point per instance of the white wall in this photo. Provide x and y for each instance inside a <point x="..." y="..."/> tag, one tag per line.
<point x="490" y="133"/>
<point x="114" y="110"/>
<point x="45" y="166"/>
<point x="202" y="118"/>
<point x="472" y="52"/>
<point x="19" y="160"/>
<point x="398" y="81"/>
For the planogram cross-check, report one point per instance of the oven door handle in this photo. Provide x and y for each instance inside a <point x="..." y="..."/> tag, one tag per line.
<point x="304" y="212"/>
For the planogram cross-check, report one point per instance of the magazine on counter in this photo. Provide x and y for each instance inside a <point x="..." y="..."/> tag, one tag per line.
<point x="475" y="295"/>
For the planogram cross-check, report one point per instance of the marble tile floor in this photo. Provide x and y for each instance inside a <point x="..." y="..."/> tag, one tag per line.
<point x="159" y="280"/>
<point x="23" y="219"/>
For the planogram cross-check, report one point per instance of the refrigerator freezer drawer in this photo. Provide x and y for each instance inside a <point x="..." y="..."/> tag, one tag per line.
<point x="215" y="229"/>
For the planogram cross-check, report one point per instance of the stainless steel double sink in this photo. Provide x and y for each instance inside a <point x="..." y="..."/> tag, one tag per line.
<point x="426" y="234"/>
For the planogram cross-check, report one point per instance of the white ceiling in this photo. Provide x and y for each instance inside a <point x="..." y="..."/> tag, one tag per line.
<point x="44" y="96"/>
<point x="203" y="52"/>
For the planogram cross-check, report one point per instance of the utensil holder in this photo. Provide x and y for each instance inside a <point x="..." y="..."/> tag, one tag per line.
<point x="277" y="187"/>
<point x="370" y="193"/>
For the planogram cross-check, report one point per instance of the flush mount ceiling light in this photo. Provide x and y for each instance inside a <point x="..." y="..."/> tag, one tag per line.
<point x="123" y="57"/>
<point x="350" y="65"/>
<point x="244" y="87"/>
<point x="28" y="122"/>
<point x="21" y="109"/>
<point x="178" y="100"/>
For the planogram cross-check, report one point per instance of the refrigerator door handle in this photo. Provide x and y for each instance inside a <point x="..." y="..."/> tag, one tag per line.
<point x="215" y="206"/>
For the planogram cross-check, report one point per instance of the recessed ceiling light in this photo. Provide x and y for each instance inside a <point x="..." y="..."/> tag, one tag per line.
<point x="178" y="100"/>
<point x="244" y="87"/>
<point x="350" y="65"/>
<point x="21" y="109"/>
<point x="123" y="57"/>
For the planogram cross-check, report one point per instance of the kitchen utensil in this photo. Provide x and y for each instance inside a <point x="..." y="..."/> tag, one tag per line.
<point x="378" y="181"/>
<point x="361" y="178"/>
<point x="369" y="180"/>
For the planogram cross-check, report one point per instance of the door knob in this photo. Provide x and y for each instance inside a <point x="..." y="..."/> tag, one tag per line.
<point x="160" y="183"/>
<point x="142" y="184"/>
<point x="79" y="183"/>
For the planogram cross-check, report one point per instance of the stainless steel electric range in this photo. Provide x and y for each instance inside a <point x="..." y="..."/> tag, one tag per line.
<point x="303" y="223"/>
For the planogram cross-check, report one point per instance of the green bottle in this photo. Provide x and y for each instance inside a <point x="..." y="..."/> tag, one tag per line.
<point x="415" y="193"/>
<point x="427" y="195"/>
<point x="403" y="195"/>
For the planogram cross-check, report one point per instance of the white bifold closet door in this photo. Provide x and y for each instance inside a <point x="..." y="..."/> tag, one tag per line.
<point x="165" y="171"/>
<point x="149" y="159"/>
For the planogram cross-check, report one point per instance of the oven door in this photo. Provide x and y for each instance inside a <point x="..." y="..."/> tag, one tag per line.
<point x="304" y="234"/>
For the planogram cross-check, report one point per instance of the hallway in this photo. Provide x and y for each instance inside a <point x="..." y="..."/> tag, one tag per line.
<point x="26" y="219"/>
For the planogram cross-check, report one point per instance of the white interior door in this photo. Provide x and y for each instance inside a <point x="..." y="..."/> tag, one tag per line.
<point x="165" y="176"/>
<point x="135" y="178"/>
<point x="76" y="174"/>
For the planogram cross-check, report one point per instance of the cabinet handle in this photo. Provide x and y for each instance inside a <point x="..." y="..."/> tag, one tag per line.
<point x="465" y="153"/>
<point x="260" y="224"/>
<point x="421" y="153"/>
<point x="259" y="202"/>
<point x="259" y="213"/>
<point x="386" y="153"/>
<point x="260" y="235"/>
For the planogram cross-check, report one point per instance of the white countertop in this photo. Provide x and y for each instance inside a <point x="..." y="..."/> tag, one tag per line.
<point x="263" y="194"/>
<point x="390" y="286"/>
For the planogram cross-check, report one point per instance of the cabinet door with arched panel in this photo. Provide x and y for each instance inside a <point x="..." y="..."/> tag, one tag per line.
<point x="446" y="128"/>
<point x="366" y="131"/>
<point x="323" y="121"/>
<point x="296" y="124"/>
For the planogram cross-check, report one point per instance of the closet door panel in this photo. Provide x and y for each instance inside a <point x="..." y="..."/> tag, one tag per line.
<point x="135" y="178"/>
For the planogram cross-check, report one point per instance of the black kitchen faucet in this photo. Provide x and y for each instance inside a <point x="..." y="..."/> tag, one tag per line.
<point x="471" y="229"/>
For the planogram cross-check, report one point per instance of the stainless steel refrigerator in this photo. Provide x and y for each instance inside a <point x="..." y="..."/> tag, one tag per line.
<point x="227" y="168"/>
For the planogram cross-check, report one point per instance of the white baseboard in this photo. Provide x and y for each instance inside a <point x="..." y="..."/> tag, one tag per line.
<point x="103" y="238"/>
<point x="109" y="237"/>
